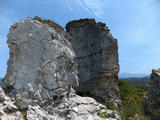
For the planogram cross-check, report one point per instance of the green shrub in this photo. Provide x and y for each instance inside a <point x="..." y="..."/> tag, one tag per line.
<point x="102" y="115"/>
<point x="132" y="100"/>
<point x="110" y="106"/>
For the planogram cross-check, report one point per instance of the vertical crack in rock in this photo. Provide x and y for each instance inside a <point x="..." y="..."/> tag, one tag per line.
<point x="97" y="57"/>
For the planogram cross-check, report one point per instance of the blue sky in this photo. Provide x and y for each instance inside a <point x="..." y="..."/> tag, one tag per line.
<point x="135" y="23"/>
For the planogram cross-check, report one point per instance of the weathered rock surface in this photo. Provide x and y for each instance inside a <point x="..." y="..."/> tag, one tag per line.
<point x="41" y="58"/>
<point x="152" y="97"/>
<point x="97" y="57"/>
<point x="40" y="75"/>
<point x="66" y="108"/>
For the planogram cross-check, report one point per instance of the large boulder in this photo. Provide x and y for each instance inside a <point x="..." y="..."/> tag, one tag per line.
<point x="41" y="57"/>
<point x="97" y="57"/>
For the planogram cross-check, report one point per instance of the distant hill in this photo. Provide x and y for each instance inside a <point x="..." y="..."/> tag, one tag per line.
<point x="1" y="79"/>
<point x="132" y="75"/>
<point x="137" y="81"/>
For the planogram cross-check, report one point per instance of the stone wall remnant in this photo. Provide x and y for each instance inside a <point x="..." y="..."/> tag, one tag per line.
<point x="97" y="58"/>
<point x="41" y="57"/>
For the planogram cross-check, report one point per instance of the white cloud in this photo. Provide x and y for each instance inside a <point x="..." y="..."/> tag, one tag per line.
<point x="83" y="6"/>
<point x="5" y="21"/>
<point x="70" y="7"/>
<point x="96" y="6"/>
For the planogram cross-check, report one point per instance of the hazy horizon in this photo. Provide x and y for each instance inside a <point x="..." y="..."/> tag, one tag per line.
<point x="134" y="23"/>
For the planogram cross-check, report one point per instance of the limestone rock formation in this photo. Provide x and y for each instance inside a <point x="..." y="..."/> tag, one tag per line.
<point x="97" y="57"/>
<point x="152" y="97"/>
<point x="40" y="75"/>
<point x="41" y="58"/>
<point x="75" y="108"/>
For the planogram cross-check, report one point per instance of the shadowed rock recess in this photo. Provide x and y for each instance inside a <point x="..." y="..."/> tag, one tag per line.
<point x="40" y="75"/>
<point x="97" y="57"/>
<point x="152" y="97"/>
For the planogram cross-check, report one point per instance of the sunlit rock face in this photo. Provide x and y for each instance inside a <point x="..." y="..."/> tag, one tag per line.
<point x="40" y="76"/>
<point x="40" y="56"/>
<point x="152" y="98"/>
<point x="97" y="57"/>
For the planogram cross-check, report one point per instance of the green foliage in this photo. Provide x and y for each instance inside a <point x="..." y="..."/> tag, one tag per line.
<point x="110" y="106"/>
<point x="132" y="100"/>
<point x="102" y="115"/>
<point x="24" y="113"/>
<point x="141" y="90"/>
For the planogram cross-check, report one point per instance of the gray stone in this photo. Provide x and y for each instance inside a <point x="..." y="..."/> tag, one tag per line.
<point x="2" y="95"/>
<point x="152" y="97"/>
<point x="40" y="87"/>
<point x="60" y="84"/>
<point x="73" y="115"/>
<point x="22" y="95"/>
<point x="61" y="92"/>
<point x="41" y="72"/>
<point x="28" y="87"/>
<point x="41" y="56"/>
<point x="10" y="108"/>
<point x="82" y="100"/>
<point x="37" y="113"/>
<point x="23" y="103"/>
<point x="37" y="96"/>
<point x="45" y="94"/>
<point x="97" y="57"/>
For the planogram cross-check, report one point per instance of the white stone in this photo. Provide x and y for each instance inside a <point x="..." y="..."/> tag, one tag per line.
<point x="2" y="95"/>
<point x="75" y="109"/>
<point x="28" y="87"/>
<point x="90" y="117"/>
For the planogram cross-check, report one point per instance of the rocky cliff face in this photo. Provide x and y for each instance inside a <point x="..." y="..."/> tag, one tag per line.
<point x="152" y="97"/>
<point x="97" y="57"/>
<point x="41" y="57"/>
<point x="40" y="75"/>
